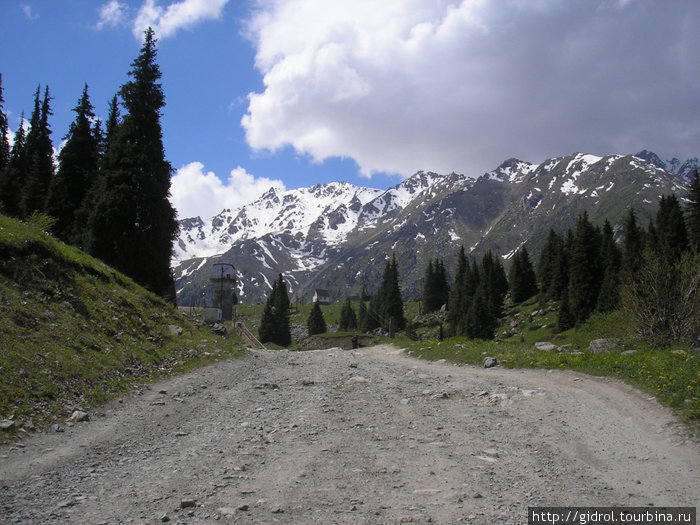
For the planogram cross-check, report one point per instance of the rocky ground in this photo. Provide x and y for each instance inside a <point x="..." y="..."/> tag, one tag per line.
<point x="366" y="436"/>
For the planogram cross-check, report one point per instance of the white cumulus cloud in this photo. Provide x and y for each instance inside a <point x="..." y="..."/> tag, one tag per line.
<point x="403" y="85"/>
<point x="196" y="193"/>
<point x="112" y="14"/>
<point x="166" y="21"/>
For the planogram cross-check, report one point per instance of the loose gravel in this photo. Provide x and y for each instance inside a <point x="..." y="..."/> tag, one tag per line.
<point x="367" y="436"/>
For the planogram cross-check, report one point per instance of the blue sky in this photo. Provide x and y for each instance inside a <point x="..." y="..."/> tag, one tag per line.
<point x="291" y="93"/>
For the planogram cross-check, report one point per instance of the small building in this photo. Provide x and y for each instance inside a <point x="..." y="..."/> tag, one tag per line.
<point x="321" y="296"/>
<point x="223" y="279"/>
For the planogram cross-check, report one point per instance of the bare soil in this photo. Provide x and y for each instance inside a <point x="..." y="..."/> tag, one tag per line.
<point x="366" y="436"/>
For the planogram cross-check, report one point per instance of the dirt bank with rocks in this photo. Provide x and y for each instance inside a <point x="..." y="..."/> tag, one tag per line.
<point x="366" y="436"/>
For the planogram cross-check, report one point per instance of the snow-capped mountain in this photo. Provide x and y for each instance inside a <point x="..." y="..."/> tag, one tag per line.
<point x="338" y="236"/>
<point x="684" y="169"/>
<point x="330" y="210"/>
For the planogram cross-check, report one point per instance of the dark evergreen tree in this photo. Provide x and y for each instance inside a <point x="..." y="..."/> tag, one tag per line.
<point x="632" y="245"/>
<point x="495" y="283"/>
<point x="4" y="127"/>
<point x="13" y="177"/>
<point x="610" y="259"/>
<point x="435" y="288"/>
<point x="546" y="266"/>
<point x="132" y="225"/>
<point x="459" y="301"/>
<point x="559" y="284"/>
<point x="670" y="228"/>
<point x="315" y="323"/>
<point x="390" y="303"/>
<point x="39" y="155"/>
<point x="585" y="272"/>
<point x="266" y="331"/>
<point x="522" y="280"/>
<point x="78" y="168"/>
<point x="480" y="323"/>
<point x="280" y="308"/>
<point x="348" y="319"/>
<point x="692" y="213"/>
<point x="274" y="324"/>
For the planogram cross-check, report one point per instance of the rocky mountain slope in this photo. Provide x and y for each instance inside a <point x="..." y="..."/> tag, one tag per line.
<point x="338" y="236"/>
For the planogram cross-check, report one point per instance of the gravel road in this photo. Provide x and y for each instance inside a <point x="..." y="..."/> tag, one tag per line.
<point x="366" y="436"/>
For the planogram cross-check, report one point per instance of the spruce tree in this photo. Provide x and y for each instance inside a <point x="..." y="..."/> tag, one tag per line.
<point x="13" y="176"/>
<point x="435" y="289"/>
<point x="670" y="228"/>
<point x="480" y="321"/>
<point x="315" y="323"/>
<point x="495" y="282"/>
<point x="274" y="323"/>
<point x="632" y="245"/>
<point x="692" y="213"/>
<point x="585" y="275"/>
<point x="39" y="155"/>
<point x="459" y="301"/>
<point x="610" y="258"/>
<point x="428" y="290"/>
<point x="546" y="266"/>
<point x="348" y="319"/>
<point x="443" y="287"/>
<point x="279" y="301"/>
<point x="523" y="283"/>
<point x="4" y="142"/>
<point x="133" y="224"/>
<point x="78" y="168"/>
<point x="390" y="303"/>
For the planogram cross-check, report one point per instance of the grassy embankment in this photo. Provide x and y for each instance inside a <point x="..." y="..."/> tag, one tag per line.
<point x="75" y="333"/>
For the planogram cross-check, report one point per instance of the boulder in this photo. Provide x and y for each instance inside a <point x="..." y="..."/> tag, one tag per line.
<point x="598" y="346"/>
<point x="490" y="362"/>
<point x="219" y="329"/>
<point x="78" y="415"/>
<point x="546" y="346"/>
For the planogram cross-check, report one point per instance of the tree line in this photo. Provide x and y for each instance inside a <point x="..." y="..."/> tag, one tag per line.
<point x="653" y="273"/>
<point x="109" y="192"/>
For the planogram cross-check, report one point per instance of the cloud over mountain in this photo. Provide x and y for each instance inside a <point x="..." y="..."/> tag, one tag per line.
<point x="194" y="192"/>
<point x="402" y="85"/>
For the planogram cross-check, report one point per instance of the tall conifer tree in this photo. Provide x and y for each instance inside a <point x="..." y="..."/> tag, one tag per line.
<point x="670" y="228"/>
<point x="77" y="171"/>
<point x="389" y="297"/>
<point x="39" y="156"/>
<point x="315" y="323"/>
<point x="348" y="319"/>
<point x="693" y="212"/>
<point x="133" y="223"/>
<point x="523" y="283"/>
<point x="632" y="245"/>
<point x="4" y="141"/>
<point x="13" y="177"/>
<point x="586" y="274"/>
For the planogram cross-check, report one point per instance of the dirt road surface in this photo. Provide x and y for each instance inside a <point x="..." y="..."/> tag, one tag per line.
<point x="366" y="436"/>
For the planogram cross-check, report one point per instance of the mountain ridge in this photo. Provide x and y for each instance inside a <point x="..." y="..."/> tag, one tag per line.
<point x="338" y="235"/>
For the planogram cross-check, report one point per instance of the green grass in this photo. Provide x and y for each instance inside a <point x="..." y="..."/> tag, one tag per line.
<point x="672" y="375"/>
<point x="75" y="333"/>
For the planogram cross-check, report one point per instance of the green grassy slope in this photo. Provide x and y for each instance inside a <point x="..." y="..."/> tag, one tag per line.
<point x="74" y="332"/>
